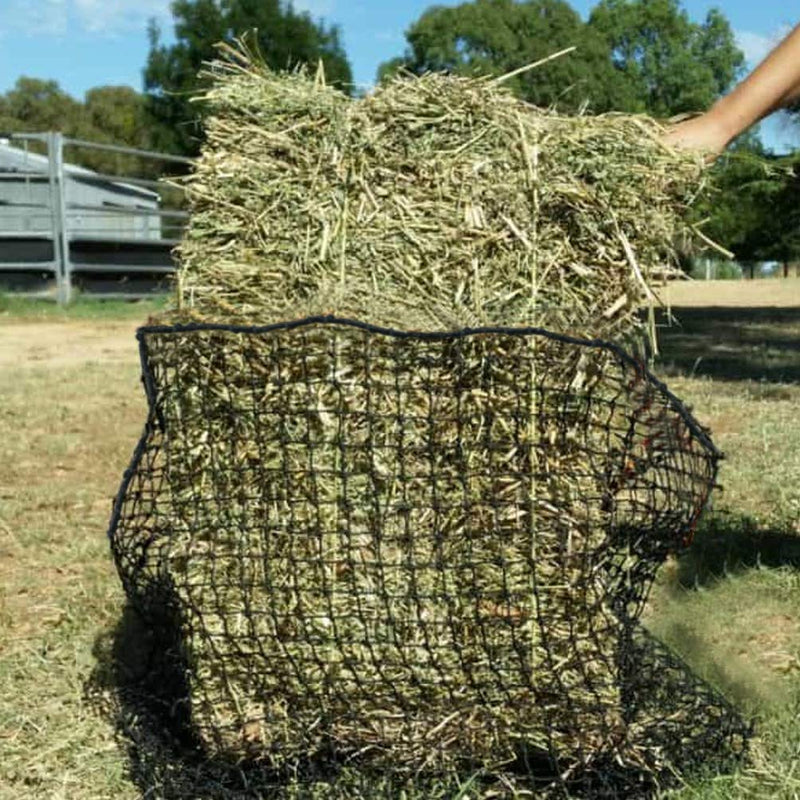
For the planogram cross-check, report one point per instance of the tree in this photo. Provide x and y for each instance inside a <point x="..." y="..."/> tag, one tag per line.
<point x="109" y="114"/>
<point x="794" y="116"/>
<point x="753" y="203"/>
<point x="39" y="105"/>
<point x="118" y="114"/>
<point x="284" y="37"/>
<point x="671" y="64"/>
<point x="780" y="237"/>
<point x="632" y="55"/>
<point x="493" y="37"/>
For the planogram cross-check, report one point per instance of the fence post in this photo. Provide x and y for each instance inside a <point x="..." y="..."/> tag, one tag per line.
<point x="55" y="216"/>
<point x="65" y="267"/>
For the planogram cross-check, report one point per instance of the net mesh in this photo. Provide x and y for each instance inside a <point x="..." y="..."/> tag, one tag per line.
<point x="415" y="552"/>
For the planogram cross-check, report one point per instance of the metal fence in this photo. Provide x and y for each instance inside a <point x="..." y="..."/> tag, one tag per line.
<point x="112" y="227"/>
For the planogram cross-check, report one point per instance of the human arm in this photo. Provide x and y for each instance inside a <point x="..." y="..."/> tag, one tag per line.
<point x="775" y="83"/>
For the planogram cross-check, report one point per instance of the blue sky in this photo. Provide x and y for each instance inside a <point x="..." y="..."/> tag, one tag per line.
<point x="86" y="43"/>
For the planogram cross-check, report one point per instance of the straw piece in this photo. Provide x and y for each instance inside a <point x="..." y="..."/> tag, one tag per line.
<point x="534" y="65"/>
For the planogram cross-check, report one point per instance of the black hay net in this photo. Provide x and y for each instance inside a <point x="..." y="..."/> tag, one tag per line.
<point x="417" y="554"/>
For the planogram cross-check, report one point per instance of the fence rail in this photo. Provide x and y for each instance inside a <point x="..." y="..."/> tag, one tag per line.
<point x="71" y="223"/>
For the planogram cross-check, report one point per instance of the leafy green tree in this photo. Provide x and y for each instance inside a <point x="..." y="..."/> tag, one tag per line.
<point x="731" y="205"/>
<point x="671" y="64"/>
<point x="284" y="37"/>
<point x="753" y="203"/>
<point x="39" y="105"/>
<point x="109" y="114"/>
<point x="494" y="37"/>
<point x="119" y="114"/>
<point x="632" y="55"/>
<point x="784" y="215"/>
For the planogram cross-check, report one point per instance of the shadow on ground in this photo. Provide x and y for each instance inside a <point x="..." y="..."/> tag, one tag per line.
<point x="727" y="543"/>
<point x="741" y="644"/>
<point x="137" y="687"/>
<point x="731" y="343"/>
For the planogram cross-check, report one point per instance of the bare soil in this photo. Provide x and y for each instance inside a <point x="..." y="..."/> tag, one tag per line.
<point x="767" y="293"/>
<point x="66" y="343"/>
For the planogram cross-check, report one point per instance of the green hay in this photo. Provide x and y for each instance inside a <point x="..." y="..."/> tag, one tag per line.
<point x="432" y="203"/>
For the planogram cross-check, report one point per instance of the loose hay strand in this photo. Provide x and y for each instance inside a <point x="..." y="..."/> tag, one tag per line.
<point x="535" y="65"/>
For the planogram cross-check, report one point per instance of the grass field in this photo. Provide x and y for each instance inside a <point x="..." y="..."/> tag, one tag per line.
<point x="72" y="408"/>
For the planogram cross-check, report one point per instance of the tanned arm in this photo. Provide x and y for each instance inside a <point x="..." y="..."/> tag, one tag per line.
<point x="775" y="83"/>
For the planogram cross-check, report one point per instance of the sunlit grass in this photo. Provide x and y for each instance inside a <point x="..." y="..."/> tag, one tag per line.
<point x="13" y="307"/>
<point x="730" y="607"/>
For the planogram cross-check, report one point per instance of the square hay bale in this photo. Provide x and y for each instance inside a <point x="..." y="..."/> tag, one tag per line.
<point x="418" y="551"/>
<point x="431" y="203"/>
<point x="421" y="552"/>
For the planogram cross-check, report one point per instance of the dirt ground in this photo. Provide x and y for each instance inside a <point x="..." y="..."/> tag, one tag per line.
<point x="772" y="293"/>
<point x="66" y="343"/>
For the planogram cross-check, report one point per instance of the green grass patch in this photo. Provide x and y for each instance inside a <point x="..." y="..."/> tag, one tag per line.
<point x="83" y="307"/>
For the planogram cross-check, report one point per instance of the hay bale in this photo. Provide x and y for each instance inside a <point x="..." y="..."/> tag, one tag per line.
<point x="421" y="552"/>
<point x="432" y="203"/>
<point x="421" y="555"/>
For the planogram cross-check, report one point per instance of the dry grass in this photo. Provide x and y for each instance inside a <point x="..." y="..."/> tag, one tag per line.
<point x="68" y="428"/>
<point x="767" y="293"/>
<point x="431" y="203"/>
<point x="731" y="606"/>
<point x="732" y="344"/>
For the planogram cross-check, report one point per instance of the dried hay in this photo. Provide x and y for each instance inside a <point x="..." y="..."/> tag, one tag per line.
<point x="432" y="203"/>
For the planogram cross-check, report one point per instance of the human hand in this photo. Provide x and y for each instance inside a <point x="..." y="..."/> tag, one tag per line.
<point x="704" y="135"/>
<point x="773" y="84"/>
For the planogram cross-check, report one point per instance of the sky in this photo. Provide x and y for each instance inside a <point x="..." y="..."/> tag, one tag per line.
<point x="86" y="43"/>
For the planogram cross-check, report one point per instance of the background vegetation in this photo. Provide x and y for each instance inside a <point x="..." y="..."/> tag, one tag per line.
<point x="632" y="55"/>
